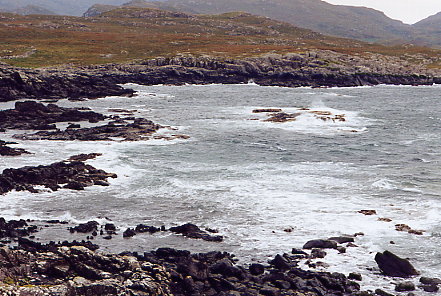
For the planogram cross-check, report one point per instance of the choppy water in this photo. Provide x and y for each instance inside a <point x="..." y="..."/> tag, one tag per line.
<point x="251" y="179"/>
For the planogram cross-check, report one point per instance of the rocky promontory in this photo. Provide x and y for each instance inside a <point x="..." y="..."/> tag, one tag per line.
<point x="315" y="69"/>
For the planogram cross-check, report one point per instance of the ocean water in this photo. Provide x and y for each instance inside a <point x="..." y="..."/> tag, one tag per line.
<point x="251" y="180"/>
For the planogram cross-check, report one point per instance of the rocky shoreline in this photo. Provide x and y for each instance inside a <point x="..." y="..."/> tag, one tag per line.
<point x="31" y="267"/>
<point x="314" y="69"/>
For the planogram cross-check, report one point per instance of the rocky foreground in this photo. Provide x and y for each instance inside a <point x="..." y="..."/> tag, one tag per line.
<point x="77" y="268"/>
<point x="315" y="69"/>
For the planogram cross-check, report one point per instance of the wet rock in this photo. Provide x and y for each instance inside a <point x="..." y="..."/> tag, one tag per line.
<point x="256" y="269"/>
<point x="368" y="212"/>
<point x="85" y="227"/>
<point x="84" y="157"/>
<point x="193" y="231"/>
<point x="392" y="265"/>
<point x="75" y="175"/>
<point x="430" y="281"/>
<point x="15" y="228"/>
<point x="385" y="219"/>
<point x="268" y="110"/>
<point x="129" y="232"/>
<point x="282" y="117"/>
<point x="281" y="263"/>
<point x="341" y="250"/>
<point x="141" y="228"/>
<point x="355" y="276"/>
<point x="405" y="286"/>
<point x="140" y="129"/>
<point x="382" y="293"/>
<point x="430" y="288"/>
<point x="320" y="244"/>
<point x="31" y="115"/>
<point x="9" y="151"/>
<point x="318" y="253"/>
<point x="342" y="239"/>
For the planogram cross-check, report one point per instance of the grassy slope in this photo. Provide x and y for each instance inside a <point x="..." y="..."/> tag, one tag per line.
<point x="129" y="34"/>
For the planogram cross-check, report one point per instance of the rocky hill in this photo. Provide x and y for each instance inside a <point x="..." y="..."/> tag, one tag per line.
<point x="32" y="9"/>
<point x="62" y="7"/>
<point x="126" y="34"/>
<point x="338" y="20"/>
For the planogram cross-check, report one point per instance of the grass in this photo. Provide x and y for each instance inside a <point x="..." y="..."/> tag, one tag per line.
<point x="128" y="34"/>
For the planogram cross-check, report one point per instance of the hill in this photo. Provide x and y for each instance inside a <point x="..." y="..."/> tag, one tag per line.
<point x="127" y="34"/>
<point x="32" y="9"/>
<point x="62" y="7"/>
<point x="338" y="20"/>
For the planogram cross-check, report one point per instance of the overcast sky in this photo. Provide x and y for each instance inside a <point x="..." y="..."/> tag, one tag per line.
<point x="408" y="11"/>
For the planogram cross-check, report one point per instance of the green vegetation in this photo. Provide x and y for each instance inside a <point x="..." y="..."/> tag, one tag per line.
<point x="128" y="34"/>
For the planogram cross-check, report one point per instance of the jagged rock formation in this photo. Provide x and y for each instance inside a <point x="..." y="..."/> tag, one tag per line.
<point x="73" y="174"/>
<point x="320" y="68"/>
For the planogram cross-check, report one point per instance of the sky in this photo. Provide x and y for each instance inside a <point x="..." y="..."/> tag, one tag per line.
<point x="408" y="11"/>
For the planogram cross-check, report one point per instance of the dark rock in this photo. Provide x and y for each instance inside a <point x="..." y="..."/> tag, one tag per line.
<point x="342" y="239"/>
<point x="31" y="115"/>
<point x="298" y="252"/>
<point x="432" y="288"/>
<point x="392" y="265"/>
<point x="430" y="281"/>
<point x="141" y="129"/>
<point x="280" y="262"/>
<point x="84" y="157"/>
<point x="355" y="276"/>
<point x="320" y="244"/>
<point x="109" y="227"/>
<point x="318" y="253"/>
<point x="141" y="228"/>
<point x="282" y="117"/>
<point x="8" y="151"/>
<point x="382" y="293"/>
<point x="76" y="175"/>
<point x="129" y="232"/>
<point x="193" y="231"/>
<point x="341" y="249"/>
<point x="256" y="269"/>
<point x="86" y="227"/>
<point x="267" y="110"/>
<point x="405" y="286"/>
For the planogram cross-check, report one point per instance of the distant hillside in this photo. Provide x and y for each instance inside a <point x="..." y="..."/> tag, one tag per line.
<point x="431" y="23"/>
<point x="338" y="20"/>
<point x="32" y="9"/>
<point x="428" y="31"/>
<point x="136" y="34"/>
<point x="62" y="7"/>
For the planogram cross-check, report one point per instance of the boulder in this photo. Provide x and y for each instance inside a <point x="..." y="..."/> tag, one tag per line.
<point x="320" y="244"/>
<point x="193" y="231"/>
<point x="392" y="265"/>
<point x="405" y="286"/>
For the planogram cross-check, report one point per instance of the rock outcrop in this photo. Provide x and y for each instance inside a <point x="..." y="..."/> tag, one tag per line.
<point x="321" y="68"/>
<point x="5" y="150"/>
<point x="31" y="115"/>
<point x="75" y="175"/>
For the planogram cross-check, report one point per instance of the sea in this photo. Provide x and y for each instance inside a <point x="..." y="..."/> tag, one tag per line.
<point x="266" y="187"/>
